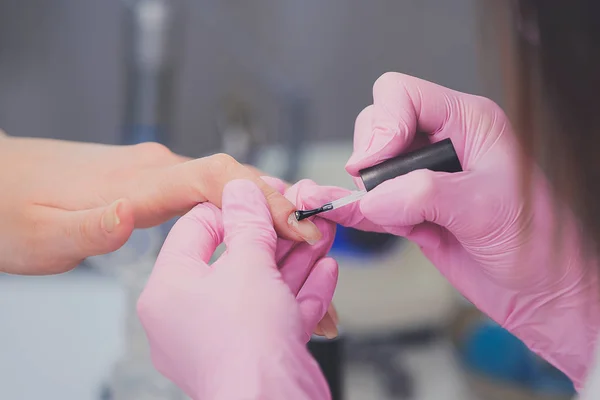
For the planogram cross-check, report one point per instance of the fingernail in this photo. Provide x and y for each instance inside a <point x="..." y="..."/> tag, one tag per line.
<point x="311" y="308"/>
<point x="318" y="330"/>
<point x="305" y="228"/>
<point x="333" y="313"/>
<point x="329" y="327"/>
<point x="110" y="219"/>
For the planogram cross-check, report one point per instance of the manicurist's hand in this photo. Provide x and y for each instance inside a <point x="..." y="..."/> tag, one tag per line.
<point x="238" y="328"/>
<point x="514" y="260"/>
<point x="64" y="201"/>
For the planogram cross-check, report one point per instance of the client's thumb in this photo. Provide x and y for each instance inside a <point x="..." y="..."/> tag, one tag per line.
<point x="97" y="231"/>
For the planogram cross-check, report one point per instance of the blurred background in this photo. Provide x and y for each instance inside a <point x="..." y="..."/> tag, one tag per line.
<point x="276" y="83"/>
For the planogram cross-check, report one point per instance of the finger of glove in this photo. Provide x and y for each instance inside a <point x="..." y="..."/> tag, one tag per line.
<point x="249" y="231"/>
<point x="296" y="266"/>
<point x="316" y="294"/>
<point x="284" y="246"/>
<point x="193" y="239"/>
<point x="312" y="195"/>
<point x="296" y="260"/>
<point x="182" y="261"/>
<point x="402" y="106"/>
<point x="412" y="199"/>
<point x="293" y="195"/>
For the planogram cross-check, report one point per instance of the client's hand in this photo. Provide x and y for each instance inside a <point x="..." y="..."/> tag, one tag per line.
<point x="64" y="201"/>
<point x="238" y="328"/>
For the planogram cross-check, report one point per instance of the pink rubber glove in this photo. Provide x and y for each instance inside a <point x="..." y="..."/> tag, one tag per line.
<point x="471" y="225"/>
<point x="238" y="329"/>
<point x="295" y="277"/>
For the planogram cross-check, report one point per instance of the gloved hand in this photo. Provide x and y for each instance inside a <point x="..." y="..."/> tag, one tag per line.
<point x="238" y="329"/>
<point x="294" y="277"/>
<point x="65" y="201"/>
<point x="513" y="262"/>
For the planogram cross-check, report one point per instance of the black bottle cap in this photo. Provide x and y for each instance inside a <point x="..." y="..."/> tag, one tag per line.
<point x="438" y="157"/>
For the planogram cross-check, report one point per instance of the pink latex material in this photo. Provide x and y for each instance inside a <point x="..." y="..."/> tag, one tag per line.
<point x="469" y="224"/>
<point x="238" y="329"/>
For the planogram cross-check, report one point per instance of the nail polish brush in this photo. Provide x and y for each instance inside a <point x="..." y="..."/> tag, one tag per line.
<point x="437" y="157"/>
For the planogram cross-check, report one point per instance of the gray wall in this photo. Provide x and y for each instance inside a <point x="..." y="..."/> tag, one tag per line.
<point x="61" y="64"/>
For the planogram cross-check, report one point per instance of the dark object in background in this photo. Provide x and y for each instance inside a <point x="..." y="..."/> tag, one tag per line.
<point x="367" y="246"/>
<point x="329" y="353"/>
<point x="370" y="242"/>
<point x="385" y="354"/>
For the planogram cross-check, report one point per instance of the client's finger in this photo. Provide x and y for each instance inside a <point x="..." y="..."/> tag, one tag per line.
<point x="280" y="185"/>
<point x="176" y="189"/>
<point x="71" y="236"/>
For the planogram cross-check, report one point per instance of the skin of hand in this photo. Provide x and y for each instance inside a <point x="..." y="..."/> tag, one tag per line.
<point x="66" y="201"/>
<point x="264" y="294"/>
<point x="518" y="266"/>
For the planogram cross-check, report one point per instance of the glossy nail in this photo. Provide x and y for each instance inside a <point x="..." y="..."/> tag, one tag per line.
<point x="306" y="229"/>
<point x="319" y="331"/>
<point x="329" y="327"/>
<point x="312" y="308"/>
<point x="333" y="313"/>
